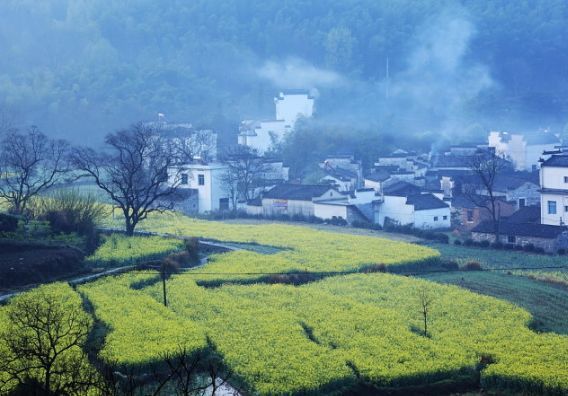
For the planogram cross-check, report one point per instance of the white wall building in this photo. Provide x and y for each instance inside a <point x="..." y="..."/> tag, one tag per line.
<point x="524" y="150"/>
<point x="297" y="199"/>
<point x="405" y="204"/>
<point x="289" y="106"/>
<point x="205" y="179"/>
<point x="554" y="190"/>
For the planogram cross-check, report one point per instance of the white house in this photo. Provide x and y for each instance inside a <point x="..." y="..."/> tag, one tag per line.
<point x="554" y="190"/>
<point x="289" y="106"/>
<point x="356" y="206"/>
<point x="405" y="204"/>
<point x="524" y="150"/>
<point x="297" y="199"/>
<point x="205" y="181"/>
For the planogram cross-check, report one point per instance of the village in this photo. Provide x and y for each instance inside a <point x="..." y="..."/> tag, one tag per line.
<point x="510" y="190"/>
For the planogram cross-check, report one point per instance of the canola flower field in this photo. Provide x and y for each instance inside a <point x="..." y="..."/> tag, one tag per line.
<point x="117" y="249"/>
<point x="326" y="336"/>
<point x="330" y="334"/>
<point x="303" y="249"/>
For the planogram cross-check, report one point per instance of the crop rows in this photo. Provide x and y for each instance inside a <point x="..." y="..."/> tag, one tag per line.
<point x="118" y="249"/>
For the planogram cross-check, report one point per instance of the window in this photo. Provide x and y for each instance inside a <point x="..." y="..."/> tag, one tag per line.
<point x="566" y="209"/>
<point x="565" y="179"/>
<point x="435" y="218"/>
<point x="224" y="204"/>
<point x="522" y="202"/>
<point x="445" y="217"/>
<point x="184" y="178"/>
<point x="201" y="180"/>
<point x="470" y="216"/>
<point x="511" y="239"/>
<point x="551" y="207"/>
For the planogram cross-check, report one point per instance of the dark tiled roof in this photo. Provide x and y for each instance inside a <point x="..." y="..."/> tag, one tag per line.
<point x="401" y="189"/>
<point x="341" y="174"/>
<point x="301" y="192"/>
<point x="378" y="176"/>
<point x="513" y="181"/>
<point x="522" y="229"/>
<point x="425" y="202"/>
<point x="293" y="91"/>
<point x="557" y="160"/>
<point x="527" y="214"/>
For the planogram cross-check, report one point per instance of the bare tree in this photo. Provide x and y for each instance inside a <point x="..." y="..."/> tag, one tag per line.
<point x="30" y="163"/>
<point x="486" y="166"/>
<point x="139" y="172"/>
<point x="229" y="183"/>
<point x="245" y="169"/>
<point x="200" y="144"/>
<point x="43" y="343"/>
<point x="426" y="300"/>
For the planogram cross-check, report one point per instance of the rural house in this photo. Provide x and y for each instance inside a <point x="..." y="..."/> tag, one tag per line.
<point x="297" y="199"/>
<point x="289" y="105"/>
<point x="524" y="150"/>
<point x="200" y="182"/>
<point x="403" y="203"/>
<point x="554" y="190"/>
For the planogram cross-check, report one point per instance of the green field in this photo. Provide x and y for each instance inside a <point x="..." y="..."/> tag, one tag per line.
<point x="547" y="304"/>
<point x="346" y="331"/>
<point x="499" y="259"/>
<point x="335" y="332"/>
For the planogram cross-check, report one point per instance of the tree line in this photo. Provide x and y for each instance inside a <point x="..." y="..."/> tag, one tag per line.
<point x="139" y="169"/>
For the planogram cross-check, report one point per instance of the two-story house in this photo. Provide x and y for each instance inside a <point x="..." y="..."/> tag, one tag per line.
<point x="406" y="204"/>
<point x="204" y="181"/>
<point x="554" y="190"/>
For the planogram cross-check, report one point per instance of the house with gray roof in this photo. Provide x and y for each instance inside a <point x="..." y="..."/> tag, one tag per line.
<point x="403" y="203"/>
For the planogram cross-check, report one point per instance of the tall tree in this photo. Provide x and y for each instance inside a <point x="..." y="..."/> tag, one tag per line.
<point x="43" y="345"/>
<point x="138" y="170"/>
<point x="30" y="163"/>
<point x="486" y="166"/>
<point x="244" y="171"/>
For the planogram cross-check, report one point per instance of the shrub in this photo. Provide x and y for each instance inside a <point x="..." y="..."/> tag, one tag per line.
<point x="484" y="244"/>
<point x="71" y="212"/>
<point x="192" y="248"/>
<point x="509" y="246"/>
<point x="472" y="266"/>
<point x="528" y="247"/>
<point x="8" y="223"/>
<point x="457" y="242"/>
<point x="539" y="250"/>
<point x="561" y="252"/>
<point x="468" y="242"/>
<point x="375" y="268"/>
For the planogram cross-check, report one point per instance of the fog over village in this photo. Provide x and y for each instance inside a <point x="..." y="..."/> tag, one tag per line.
<point x="283" y="197"/>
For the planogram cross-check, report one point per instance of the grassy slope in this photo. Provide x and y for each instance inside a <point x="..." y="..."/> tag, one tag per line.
<point x="548" y="304"/>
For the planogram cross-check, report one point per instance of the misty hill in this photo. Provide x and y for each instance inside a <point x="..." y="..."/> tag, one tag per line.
<point x="80" y="69"/>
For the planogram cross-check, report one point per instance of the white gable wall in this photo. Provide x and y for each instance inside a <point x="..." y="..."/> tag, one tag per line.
<point x="290" y="107"/>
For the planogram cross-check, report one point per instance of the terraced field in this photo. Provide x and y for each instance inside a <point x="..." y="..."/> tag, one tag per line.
<point x="347" y="331"/>
<point x="343" y="330"/>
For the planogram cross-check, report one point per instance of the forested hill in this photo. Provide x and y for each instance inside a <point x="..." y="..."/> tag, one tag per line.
<point x="92" y="66"/>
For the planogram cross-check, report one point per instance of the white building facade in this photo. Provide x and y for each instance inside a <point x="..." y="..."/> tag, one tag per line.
<point x="289" y="107"/>
<point x="523" y="150"/>
<point x="554" y="190"/>
<point x="206" y="180"/>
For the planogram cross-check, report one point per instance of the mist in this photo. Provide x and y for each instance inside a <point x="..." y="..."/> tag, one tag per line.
<point x="79" y="70"/>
